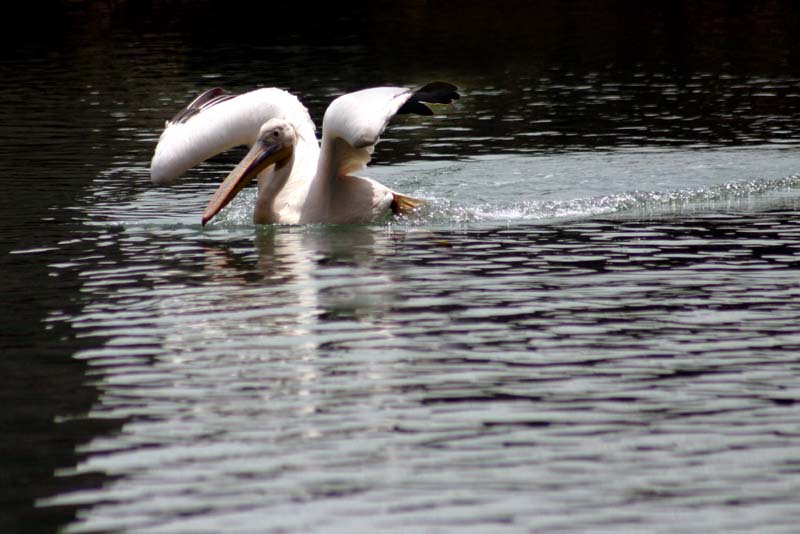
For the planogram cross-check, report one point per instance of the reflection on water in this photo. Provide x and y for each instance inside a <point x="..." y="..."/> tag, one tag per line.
<point x="591" y="327"/>
<point x="549" y="376"/>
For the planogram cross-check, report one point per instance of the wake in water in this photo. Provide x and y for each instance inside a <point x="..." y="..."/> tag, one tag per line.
<point x="727" y="196"/>
<point x="505" y="189"/>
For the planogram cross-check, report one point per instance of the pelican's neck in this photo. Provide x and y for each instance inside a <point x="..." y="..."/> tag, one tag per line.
<point x="270" y="184"/>
<point x="319" y="193"/>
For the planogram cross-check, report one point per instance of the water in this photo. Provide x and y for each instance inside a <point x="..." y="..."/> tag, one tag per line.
<point x="591" y="327"/>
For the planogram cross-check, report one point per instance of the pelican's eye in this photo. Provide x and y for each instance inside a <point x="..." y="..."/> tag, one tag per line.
<point x="275" y="133"/>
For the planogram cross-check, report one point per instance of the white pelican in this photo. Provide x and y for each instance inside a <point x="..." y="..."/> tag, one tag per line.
<point x="298" y="181"/>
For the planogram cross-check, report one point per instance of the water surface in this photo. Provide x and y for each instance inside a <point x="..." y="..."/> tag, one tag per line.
<point x="590" y="327"/>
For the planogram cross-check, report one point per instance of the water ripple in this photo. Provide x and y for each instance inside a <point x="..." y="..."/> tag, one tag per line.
<point x="591" y="327"/>
<point x="309" y="366"/>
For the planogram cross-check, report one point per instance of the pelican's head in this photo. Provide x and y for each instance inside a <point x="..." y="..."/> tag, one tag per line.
<point x="274" y="145"/>
<point x="276" y="134"/>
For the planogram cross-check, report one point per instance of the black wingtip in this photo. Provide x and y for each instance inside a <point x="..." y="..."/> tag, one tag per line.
<point x="414" y="107"/>
<point x="432" y="93"/>
<point x="437" y="93"/>
<point x="205" y="100"/>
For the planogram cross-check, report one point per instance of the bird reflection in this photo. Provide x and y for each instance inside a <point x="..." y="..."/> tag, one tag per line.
<point x="333" y="272"/>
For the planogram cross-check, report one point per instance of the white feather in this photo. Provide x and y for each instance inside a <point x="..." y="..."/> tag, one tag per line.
<point x="358" y="119"/>
<point x="318" y="184"/>
<point x="223" y="126"/>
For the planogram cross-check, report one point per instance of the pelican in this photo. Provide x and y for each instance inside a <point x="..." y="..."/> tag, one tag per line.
<point x="299" y="180"/>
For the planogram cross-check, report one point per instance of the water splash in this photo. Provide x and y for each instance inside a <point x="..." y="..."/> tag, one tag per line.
<point x="729" y="195"/>
<point x="507" y="189"/>
<point x="240" y="211"/>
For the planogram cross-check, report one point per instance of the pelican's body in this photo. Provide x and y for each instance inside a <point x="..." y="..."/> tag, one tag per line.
<point x="299" y="181"/>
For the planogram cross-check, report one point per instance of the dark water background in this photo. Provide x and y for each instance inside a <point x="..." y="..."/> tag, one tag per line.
<point x="592" y="328"/>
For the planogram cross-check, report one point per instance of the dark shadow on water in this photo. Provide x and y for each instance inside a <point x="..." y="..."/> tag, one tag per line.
<point x="47" y="395"/>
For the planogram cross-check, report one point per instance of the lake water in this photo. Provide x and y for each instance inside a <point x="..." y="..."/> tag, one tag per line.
<point x="591" y="327"/>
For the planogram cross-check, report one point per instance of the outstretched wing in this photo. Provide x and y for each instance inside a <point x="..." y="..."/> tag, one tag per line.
<point x="217" y="121"/>
<point x="354" y="122"/>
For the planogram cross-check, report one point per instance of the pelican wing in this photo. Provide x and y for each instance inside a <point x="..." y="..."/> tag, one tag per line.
<point x="217" y="121"/>
<point x="204" y="101"/>
<point x="354" y="122"/>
